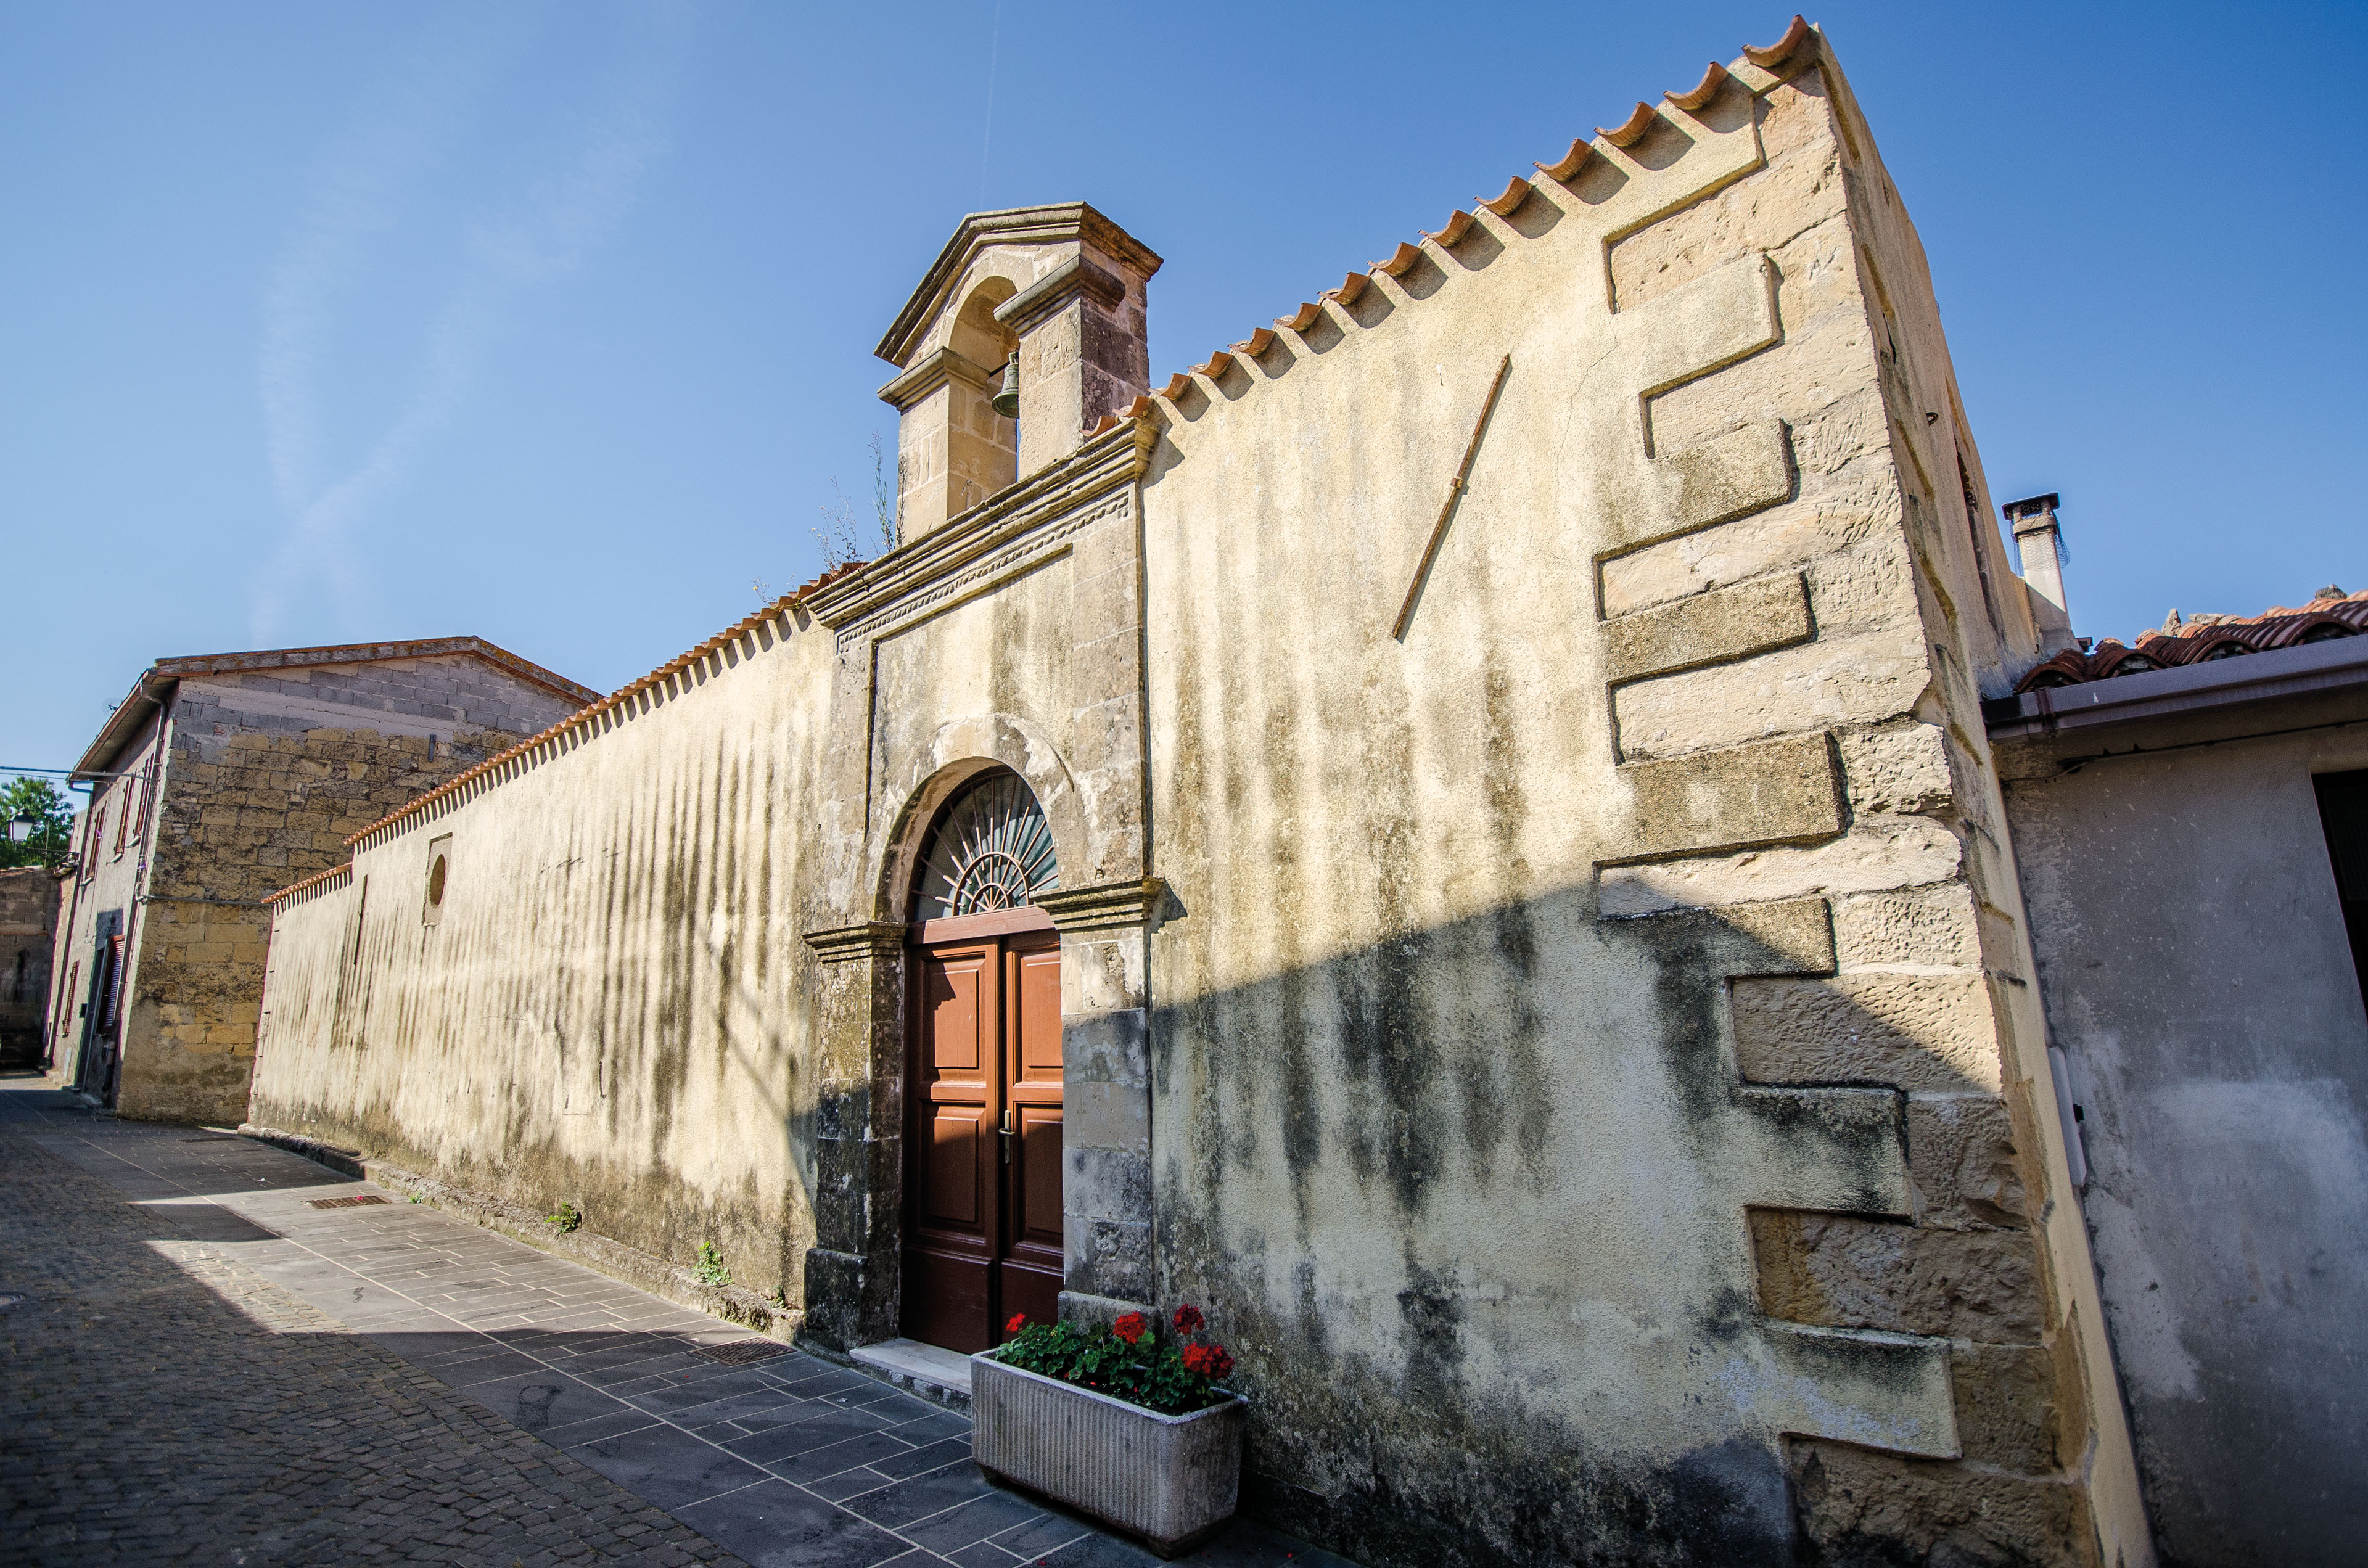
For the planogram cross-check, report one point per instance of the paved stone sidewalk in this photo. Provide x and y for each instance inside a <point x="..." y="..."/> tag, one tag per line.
<point x="210" y="1369"/>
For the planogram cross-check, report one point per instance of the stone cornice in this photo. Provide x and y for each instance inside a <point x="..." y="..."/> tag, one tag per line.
<point x="1112" y="907"/>
<point x="847" y="944"/>
<point x="975" y="540"/>
<point x="1077" y="276"/>
<point x="1067" y="223"/>
<point x="928" y="373"/>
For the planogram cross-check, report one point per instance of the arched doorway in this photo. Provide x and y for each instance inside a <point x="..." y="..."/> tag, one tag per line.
<point x="982" y="1236"/>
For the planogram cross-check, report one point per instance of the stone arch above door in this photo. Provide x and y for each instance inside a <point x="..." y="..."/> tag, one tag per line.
<point x="960" y="752"/>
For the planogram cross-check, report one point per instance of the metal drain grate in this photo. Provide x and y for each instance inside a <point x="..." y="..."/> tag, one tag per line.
<point x="345" y="1202"/>
<point x="740" y="1352"/>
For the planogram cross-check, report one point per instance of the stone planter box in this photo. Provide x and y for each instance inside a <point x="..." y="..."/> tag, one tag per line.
<point x="1171" y="1480"/>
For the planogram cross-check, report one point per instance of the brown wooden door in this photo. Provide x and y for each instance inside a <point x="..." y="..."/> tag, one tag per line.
<point x="983" y="1236"/>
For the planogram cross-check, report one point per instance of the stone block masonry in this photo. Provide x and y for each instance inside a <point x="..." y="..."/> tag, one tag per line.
<point x="232" y="777"/>
<point x="28" y="924"/>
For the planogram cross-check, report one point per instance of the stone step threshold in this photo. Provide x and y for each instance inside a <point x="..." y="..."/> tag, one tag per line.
<point x="939" y="1375"/>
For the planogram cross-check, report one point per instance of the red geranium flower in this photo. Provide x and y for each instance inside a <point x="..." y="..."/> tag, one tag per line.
<point x="1188" y="1318"/>
<point x="1209" y="1360"/>
<point x="1019" y="1321"/>
<point x="1130" y="1327"/>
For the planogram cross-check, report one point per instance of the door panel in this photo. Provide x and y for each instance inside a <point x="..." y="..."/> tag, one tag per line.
<point x="1036" y="1214"/>
<point x="952" y="1189"/>
<point x="1031" y="1237"/>
<point x="983" y="1235"/>
<point x="951" y="1181"/>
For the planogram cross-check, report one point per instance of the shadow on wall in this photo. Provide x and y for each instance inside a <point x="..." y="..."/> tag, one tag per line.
<point x="1469" y="1203"/>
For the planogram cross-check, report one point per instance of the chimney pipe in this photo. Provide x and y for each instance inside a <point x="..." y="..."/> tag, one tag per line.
<point x="2040" y="539"/>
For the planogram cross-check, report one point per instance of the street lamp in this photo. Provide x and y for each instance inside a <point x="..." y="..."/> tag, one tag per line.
<point x="21" y="826"/>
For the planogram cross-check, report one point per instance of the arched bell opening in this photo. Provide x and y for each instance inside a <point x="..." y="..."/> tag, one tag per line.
<point x="982" y="1236"/>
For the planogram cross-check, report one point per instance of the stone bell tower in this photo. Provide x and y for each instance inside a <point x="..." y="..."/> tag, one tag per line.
<point x="1061" y="286"/>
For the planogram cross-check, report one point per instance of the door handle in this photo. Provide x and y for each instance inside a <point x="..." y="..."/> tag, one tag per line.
<point x="1009" y="1133"/>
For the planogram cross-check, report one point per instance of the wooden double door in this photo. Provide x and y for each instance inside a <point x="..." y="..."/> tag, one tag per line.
<point x="982" y="1238"/>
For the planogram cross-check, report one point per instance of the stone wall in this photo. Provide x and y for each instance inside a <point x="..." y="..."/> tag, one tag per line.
<point x="1585" y="1087"/>
<point x="267" y="774"/>
<point x="605" y="1010"/>
<point x="28" y="922"/>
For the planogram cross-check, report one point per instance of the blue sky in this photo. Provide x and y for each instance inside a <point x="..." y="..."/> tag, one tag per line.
<point x="552" y="324"/>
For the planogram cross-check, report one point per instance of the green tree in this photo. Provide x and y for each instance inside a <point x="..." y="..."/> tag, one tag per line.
<point x="53" y="816"/>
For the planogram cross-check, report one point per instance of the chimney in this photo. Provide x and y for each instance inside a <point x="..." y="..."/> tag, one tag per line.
<point x="2040" y="539"/>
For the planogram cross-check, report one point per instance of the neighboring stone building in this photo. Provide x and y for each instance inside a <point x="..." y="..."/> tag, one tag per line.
<point x="2191" y="819"/>
<point x="1458" y="835"/>
<point x="28" y="924"/>
<point x="218" y="778"/>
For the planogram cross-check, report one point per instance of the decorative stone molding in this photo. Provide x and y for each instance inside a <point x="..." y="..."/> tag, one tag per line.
<point x="871" y="939"/>
<point x="1113" y="906"/>
<point x="1072" y="223"/>
<point x="1057" y="287"/>
<point x="1015" y="530"/>
<point x="930" y="373"/>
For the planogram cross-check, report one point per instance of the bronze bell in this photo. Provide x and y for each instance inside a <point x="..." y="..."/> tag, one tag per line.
<point x="1006" y="401"/>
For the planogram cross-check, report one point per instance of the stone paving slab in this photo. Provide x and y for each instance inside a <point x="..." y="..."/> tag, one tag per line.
<point x="440" y="1392"/>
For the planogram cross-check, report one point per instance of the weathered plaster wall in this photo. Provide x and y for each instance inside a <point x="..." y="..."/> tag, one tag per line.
<point x="114" y="843"/>
<point x="28" y="924"/>
<point x="1581" y="1083"/>
<point x="267" y="774"/>
<point x="606" y="1008"/>
<point x="2198" y="978"/>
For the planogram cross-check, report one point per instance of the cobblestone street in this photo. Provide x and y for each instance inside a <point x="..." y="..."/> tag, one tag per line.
<point x="203" y="1366"/>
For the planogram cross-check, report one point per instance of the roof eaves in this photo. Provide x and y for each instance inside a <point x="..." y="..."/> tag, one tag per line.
<point x="123" y="723"/>
<point x="593" y="711"/>
<point x="373" y="653"/>
<point x="2310" y="668"/>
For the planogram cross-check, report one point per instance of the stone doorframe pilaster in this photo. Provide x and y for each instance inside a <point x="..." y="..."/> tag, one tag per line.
<point x="852" y="1282"/>
<point x="1107" y="1209"/>
<point x="1084" y="755"/>
<point x="852" y="1274"/>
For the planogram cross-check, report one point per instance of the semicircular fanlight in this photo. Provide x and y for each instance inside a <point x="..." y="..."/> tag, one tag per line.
<point x="991" y="850"/>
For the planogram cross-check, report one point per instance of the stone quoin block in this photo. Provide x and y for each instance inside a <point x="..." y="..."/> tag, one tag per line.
<point x="1775" y="791"/>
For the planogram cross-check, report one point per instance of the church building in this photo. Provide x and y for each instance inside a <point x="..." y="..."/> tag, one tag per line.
<point x="1457" y="834"/>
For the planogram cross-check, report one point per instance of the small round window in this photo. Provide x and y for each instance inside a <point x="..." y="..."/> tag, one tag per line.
<point x="436" y="884"/>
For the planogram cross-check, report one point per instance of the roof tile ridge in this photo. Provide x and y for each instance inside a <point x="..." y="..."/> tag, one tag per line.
<point x="1767" y="56"/>
<point x="1518" y="189"/>
<point x="585" y="716"/>
<point x="314" y="881"/>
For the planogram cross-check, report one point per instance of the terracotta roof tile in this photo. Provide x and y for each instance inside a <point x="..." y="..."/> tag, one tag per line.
<point x="2204" y="638"/>
<point x="1702" y="91"/>
<point x="1516" y="190"/>
<point x="1581" y="149"/>
<point x="1631" y="131"/>
<point x="1451" y="233"/>
<point x="1781" y="50"/>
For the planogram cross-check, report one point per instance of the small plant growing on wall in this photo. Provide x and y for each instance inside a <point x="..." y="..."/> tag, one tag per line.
<point x="566" y="1217"/>
<point x="710" y="1267"/>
